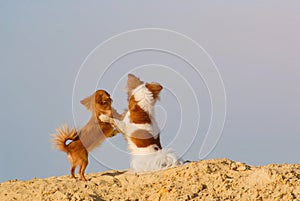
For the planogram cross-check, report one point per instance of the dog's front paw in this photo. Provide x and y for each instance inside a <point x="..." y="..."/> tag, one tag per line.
<point x="105" y="118"/>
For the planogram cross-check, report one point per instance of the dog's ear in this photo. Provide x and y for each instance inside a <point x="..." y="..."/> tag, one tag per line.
<point x="132" y="83"/>
<point x="155" y="88"/>
<point x="88" y="102"/>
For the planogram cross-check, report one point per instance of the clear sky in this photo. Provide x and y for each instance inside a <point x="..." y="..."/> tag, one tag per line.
<point x="255" y="46"/>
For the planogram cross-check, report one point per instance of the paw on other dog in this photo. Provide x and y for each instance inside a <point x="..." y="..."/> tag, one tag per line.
<point x="90" y="136"/>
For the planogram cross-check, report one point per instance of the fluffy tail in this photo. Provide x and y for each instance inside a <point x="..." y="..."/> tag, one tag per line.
<point x="62" y="135"/>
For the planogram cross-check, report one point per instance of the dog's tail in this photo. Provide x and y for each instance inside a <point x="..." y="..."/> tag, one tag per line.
<point x="62" y="135"/>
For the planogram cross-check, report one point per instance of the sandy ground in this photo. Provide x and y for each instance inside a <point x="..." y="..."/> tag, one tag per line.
<point x="219" y="179"/>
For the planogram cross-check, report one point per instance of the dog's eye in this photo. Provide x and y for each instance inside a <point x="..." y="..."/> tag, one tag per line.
<point x="105" y="102"/>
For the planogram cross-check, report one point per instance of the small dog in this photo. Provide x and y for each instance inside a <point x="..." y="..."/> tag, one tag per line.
<point x="140" y="128"/>
<point x="91" y="135"/>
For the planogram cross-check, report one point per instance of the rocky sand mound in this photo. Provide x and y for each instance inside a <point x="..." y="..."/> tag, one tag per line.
<point x="220" y="179"/>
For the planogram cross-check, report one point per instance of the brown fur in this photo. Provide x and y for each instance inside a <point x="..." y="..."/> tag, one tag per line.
<point x="137" y="114"/>
<point x="95" y="131"/>
<point x="91" y="135"/>
<point x="132" y="83"/>
<point x="77" y="154"/>
<point x="142" y="138"/>
<point x="155" y="88"/>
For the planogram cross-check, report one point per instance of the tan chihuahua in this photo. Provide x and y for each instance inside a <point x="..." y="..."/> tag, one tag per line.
<point x="90" y="136"/>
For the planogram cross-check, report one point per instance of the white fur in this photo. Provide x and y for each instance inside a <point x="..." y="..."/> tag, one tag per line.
<point x="144" y="97"/>
<point x="157" y="160"/>
<point x="148" y="158"/>
<point x="129" y="128"/>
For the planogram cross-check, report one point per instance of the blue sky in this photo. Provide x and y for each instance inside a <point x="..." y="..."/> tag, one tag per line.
<point x="255" y="45"/>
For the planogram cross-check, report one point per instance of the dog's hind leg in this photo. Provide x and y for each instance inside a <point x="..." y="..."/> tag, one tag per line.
<point x="72" y="170"/>
<point x="81" y="171"/>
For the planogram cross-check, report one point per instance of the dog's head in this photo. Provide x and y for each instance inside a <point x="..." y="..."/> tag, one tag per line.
<point x="141" y="98"/>
<point x="99" y="102"/>
<point x="135" y="85"/>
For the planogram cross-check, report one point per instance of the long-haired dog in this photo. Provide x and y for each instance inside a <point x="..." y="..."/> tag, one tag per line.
<point x="140" y="127"/>
<point x="90" y="136"/>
